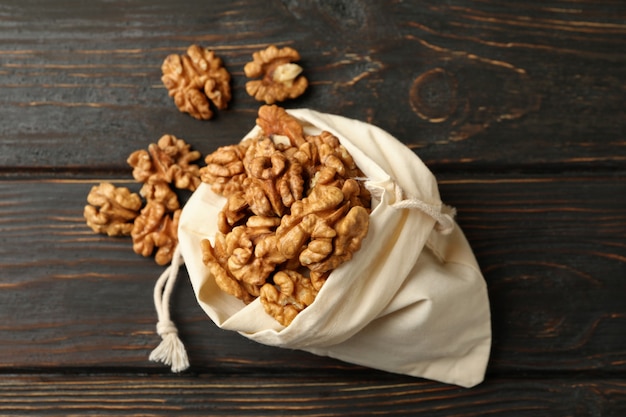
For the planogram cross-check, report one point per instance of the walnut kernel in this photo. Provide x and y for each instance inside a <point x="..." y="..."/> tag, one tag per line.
<point x="169" y="160"/>
<point x="156" y="229"/>
<point x="224" y="169"/>
<point x="275" y="120"/>
<point x="281" y="78"/>
<point x="195" y="79"/>
<point x="291" y="293"/>
<point x="111" y="210"/>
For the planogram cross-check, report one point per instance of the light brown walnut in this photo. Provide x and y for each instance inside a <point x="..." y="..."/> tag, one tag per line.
<point x="290" y="293"/>
<point x="280" y="78"/>
<point x="169" y="160"/>
<point x="273" y="182"/>
<point x="161" y="192"/>
<point x="195" y="80"/>
<point x="311" y="220"/>
<point x="223" y="279"/>
<point x="274" y="120"/>
<point x="224" y="169"/>
<point x="233" y="212"/>
<point x="112" y="210"/>
<point x="318" y="279"/>
<point x="245" y="257"/>
<point x="324" y="229"/>
<point x="351" y="230"/>
<point x="249" y="269"/>
<point x="291" y="184"/>
<point x="263" y="198"/>
<point x="155" y="229"/>
<point x="265" y="160"/>
<point x="241" y="251"/>
<point x="262" y="160"/>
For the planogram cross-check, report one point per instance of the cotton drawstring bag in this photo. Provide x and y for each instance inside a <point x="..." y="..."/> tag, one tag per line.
<point x="412" y="300"/>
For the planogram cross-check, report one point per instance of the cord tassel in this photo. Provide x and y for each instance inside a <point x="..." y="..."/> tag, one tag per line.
<point x="171" y="350"/>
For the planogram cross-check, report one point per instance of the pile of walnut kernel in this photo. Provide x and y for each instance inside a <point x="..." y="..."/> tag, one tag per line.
<point x="151" y="221"/>
<point x="295" y="211"/>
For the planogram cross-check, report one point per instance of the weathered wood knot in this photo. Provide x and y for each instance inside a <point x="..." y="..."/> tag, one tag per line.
<point x="433" y="95"/>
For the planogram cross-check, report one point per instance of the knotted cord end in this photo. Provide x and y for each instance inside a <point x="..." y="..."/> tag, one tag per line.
<point x="171" y="350"/>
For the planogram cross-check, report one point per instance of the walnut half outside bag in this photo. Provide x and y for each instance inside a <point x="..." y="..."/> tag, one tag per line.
<point x="412" y="300"/>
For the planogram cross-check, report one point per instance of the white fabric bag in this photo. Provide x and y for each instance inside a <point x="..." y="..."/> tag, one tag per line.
<point x="412" y="300"/>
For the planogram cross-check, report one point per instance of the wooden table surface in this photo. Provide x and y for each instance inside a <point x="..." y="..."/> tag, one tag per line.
<point x="517" y="107"/>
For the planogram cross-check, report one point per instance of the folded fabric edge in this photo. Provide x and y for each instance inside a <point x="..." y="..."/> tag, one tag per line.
<point x="466" y="371"/>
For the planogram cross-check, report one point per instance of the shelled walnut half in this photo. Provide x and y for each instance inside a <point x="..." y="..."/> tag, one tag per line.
<point x="280" y="77"/>
<point x="166" y="165"/>
<point x="155" y="231"/>
<point x="195" y="80"/>
<point x="111" y="210"/>
<point x="170" y="161"/>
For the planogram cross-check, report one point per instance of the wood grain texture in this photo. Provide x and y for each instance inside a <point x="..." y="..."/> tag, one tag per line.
<point x="315" y="395"/>
<point x="551" y="250"/>
<point x="478" y="85"/>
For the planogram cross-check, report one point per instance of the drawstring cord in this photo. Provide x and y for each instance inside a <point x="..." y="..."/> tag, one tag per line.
<point x="442" y="213"/>
<point x="171" y="350"/>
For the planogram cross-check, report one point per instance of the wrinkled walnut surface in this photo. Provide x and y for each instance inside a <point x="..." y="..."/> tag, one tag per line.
<point x="166" y="165"/>
<point x="170" y="161"/>
<point x="280" y="78"/>
<point x="291" y="293"/>
<point x="294" y="212"/>
<point x="152" y="222"/>
<point x="156" y="229"/>
<point x="195" y="80"/>
<point x="112" y="210"/>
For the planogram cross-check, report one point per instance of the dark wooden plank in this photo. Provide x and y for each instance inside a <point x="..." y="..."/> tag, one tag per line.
<point x="480" y="85"/>
<point x="314" y="394"/>
<point x="552" y="251"/>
